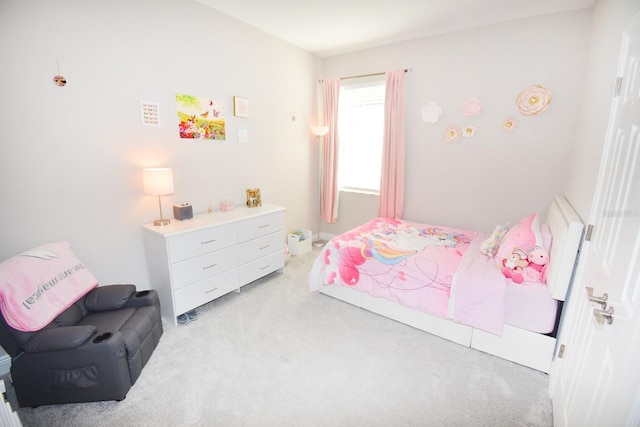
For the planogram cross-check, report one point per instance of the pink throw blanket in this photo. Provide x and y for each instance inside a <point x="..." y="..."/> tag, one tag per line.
<point x="38" y="285"/>
<point x="478" y="291"/>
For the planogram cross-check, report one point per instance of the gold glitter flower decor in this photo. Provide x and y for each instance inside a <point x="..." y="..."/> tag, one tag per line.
<point x="533" y="100"/>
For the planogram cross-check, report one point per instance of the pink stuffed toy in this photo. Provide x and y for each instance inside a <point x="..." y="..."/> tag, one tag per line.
<point x="536" y="271"/>
<point x="512" y="267"/>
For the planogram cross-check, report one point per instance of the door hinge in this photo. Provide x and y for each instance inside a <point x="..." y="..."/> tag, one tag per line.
<point x="587" y="234"/>
<point x="561" y="351"/>
<point x="618" y="88"/>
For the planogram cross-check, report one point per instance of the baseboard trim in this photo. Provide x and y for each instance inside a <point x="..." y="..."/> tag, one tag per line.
<point x="5" y="362"/>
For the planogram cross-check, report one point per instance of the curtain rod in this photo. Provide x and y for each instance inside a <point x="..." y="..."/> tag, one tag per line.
<point x="406" y="70"/>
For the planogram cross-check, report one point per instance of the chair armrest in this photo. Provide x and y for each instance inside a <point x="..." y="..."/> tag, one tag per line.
<point x="63" y="338"/>
<point x="143" y="298"/>
<point x="111" y="297"/>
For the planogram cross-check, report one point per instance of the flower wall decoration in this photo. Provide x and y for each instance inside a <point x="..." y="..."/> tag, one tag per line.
<point x="471" y="107"/>
<point x="431" y="113"/>
<point x="451" y="133"/>
<point x="533" y="100"/>
<point x="468" y="131"/>
<point x="509" y="124"/>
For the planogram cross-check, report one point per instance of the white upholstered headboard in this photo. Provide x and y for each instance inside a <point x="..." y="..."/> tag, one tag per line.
<point x="566" y="229"/>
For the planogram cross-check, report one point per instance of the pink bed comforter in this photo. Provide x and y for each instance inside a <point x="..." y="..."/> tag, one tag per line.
<point x="433" y="269"/>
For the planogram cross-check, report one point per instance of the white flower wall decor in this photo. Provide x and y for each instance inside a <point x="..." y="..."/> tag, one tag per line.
<point x="431" y="112"/>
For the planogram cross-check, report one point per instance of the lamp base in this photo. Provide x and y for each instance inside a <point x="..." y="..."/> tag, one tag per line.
<point x="161" y="222"/>
<point x="319" y="243"/>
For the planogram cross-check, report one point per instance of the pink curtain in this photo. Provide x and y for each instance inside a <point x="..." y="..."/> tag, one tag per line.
<point x="329" y="199"/>
<point x="392" y="178"/>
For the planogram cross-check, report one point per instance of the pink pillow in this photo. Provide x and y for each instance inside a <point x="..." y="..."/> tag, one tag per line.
<point x="523" y="235"/>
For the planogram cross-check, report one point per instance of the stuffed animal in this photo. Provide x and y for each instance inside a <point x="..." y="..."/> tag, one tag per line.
<point x="490" y="246"/>
<point x="512" y="267"/>
<point x="536" y="271"/>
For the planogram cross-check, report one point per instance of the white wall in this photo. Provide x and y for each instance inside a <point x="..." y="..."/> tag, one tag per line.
<point x="610" y="17"/>
<point x="71" y="157"/>
<point x="495" y="176"/>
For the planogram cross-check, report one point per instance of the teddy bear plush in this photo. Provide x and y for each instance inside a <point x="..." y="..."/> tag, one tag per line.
<point x="513" y="266"/>
<point x="526" y="266"/>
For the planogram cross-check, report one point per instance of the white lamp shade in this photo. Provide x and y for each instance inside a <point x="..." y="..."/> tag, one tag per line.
<point x="157" y="181"/>
<point x="319" y="130"/>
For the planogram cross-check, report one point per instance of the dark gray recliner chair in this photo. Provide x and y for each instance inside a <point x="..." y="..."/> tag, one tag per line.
<point x="95" y="350"/>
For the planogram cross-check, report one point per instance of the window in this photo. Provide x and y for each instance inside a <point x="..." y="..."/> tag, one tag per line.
<point x="360" y="126"/>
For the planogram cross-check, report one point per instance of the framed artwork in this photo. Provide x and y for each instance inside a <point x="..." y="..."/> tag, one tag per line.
<point x="200" y="118"/>
<point x="240" y="106"/>
<point x="253" y="197"/>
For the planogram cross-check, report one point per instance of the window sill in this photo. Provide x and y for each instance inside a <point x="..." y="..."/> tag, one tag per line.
<point x="360" y="191"/>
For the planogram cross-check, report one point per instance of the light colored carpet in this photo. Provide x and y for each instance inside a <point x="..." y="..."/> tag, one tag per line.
<point x="277" y="355"/>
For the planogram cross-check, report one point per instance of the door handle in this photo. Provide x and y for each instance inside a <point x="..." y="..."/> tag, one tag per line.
<point x="597" y="300"/>
<point x="603" y="316"/>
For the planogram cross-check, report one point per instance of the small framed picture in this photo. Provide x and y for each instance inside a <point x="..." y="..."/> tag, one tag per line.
<point x="240" y="107"/>
<point x="253" y="197"/>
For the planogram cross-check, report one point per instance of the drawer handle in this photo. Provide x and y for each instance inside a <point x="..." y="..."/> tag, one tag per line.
<point x="208" y="241"/>
<point x="209" y="266"/>
<point x="263" y="226"/>
<point x="211" y="290"/>
<point x="265" y="267"/>
<point x="264" y="247"/>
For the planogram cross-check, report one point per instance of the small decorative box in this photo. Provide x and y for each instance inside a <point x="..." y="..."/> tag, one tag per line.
<point x="184" y="211"/>
<point x="226" y="206"/>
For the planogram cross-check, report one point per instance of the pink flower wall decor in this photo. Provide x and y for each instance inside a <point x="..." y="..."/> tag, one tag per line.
<point x="471" y="107"/>
<point x="468" y="131"/>
<point x="509" y="124"/>
<point x="533" y="100"/>
<point x="451" y="133"/>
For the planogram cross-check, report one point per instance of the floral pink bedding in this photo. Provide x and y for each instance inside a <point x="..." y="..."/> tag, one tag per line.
<point x="437" y="270"/>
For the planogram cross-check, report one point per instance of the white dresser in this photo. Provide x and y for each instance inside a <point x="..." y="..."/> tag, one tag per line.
<point x="195" y="261"/>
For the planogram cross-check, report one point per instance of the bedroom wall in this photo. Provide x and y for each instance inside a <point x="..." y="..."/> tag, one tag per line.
<point x="494" y="176"/>
<point x="610" y="17"/>
<point x="71" y="157"/>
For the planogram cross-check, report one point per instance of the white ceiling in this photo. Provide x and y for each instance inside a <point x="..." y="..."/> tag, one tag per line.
<point x="333" y="27"/>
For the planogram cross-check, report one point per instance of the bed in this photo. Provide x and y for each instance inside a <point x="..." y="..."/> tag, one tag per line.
<point x="499" y="292"/>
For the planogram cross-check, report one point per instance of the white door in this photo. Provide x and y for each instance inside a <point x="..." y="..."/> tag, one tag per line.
<point x="596" y="382"/>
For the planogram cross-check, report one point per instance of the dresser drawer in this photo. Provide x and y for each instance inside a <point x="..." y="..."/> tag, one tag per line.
<point x="207" y="290"/>
<point x="260" y="226"/>
<point x="199" y="268"/>
<point x="262" y="246"/>
<point x="261" y="267"/>
<point x="200" y="242"/>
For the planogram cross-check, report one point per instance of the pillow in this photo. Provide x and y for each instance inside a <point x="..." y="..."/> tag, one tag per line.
<point x="524" y="235"/>
<point x="490" y="246"/>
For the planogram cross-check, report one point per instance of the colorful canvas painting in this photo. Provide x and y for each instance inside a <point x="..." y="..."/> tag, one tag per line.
<point x="200" y="118"/>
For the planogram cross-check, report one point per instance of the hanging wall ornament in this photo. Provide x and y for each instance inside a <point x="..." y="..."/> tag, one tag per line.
<point x="58" y="80"/>
<point x="431" y="113"/>
<point x="451" y="133"/>
<point x="533" y="100"/>
<point x="471" y="107"/>
<point x="509" y="124"/>
<point x="468" y="131"/>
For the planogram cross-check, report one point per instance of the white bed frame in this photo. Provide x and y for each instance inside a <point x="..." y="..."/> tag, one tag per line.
<point x="517" y="345"/>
